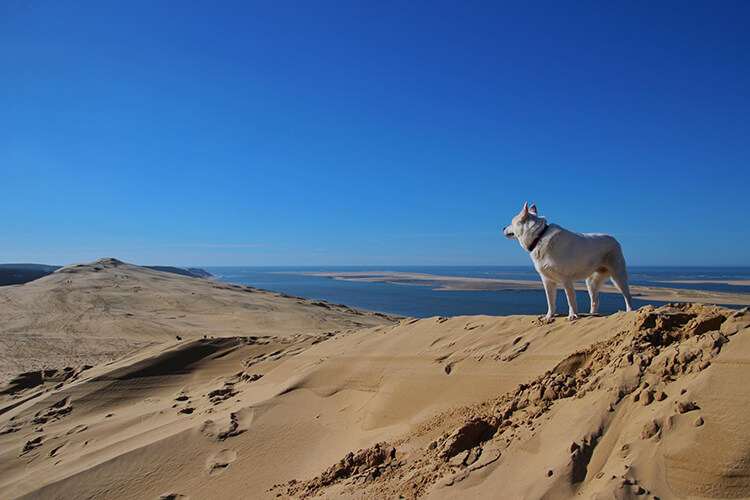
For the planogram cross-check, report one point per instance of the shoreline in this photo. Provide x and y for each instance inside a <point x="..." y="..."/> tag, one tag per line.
<point x="455" y="283"/>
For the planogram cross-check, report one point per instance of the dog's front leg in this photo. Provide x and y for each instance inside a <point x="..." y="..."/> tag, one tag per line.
<point x="570" y="292"/>
<point x="550" y="289"/>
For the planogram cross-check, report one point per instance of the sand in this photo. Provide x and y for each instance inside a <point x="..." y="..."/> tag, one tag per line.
<point x="651" y="403"/>
<point x="88" y="313"/>
<point x="452" y="283"/>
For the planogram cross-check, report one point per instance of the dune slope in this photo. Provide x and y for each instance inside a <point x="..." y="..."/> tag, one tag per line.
<point x="650" y="402"/>
<point x="88" y="313"/>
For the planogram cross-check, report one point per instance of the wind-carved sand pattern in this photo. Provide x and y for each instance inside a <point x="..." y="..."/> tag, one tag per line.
<point x="642" y="404"/>
<point x="169" y="394"/>
<point x="649" y="372"/>
<point x="452" y="283"/>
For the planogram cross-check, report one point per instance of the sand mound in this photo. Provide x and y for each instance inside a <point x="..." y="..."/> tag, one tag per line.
<point x="643" y="403"/>
<point x="89" y="313"/>
<point x="653" y="410"/>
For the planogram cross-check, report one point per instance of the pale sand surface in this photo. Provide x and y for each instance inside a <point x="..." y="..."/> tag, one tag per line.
<point x="95" y="312"/>
<point x="634" y="405"/>
<point x="663" y="294"/>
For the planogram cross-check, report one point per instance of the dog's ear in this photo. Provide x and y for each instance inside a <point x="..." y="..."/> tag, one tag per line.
<point x="525" y="212"/>
<point x="532" y="209"/>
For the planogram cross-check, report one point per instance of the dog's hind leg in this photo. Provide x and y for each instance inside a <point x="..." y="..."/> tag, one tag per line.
<point x="593" y="284"/>
<point x="550" y="289"/>
<point x="620" y="279"/>
<point x="570" y="292"/>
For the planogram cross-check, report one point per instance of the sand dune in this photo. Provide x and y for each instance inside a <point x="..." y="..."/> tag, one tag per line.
<point x="87" y="313"/>
<point x="635" y="405"/>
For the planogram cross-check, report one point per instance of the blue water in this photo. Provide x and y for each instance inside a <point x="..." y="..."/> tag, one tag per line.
<point x="424" y="301"/>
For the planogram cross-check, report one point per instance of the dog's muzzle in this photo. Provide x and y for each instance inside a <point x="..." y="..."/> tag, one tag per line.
<point x="508" y="235"/>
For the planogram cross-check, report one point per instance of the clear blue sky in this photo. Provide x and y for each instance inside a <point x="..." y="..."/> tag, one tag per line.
<point x="356" y="133"/>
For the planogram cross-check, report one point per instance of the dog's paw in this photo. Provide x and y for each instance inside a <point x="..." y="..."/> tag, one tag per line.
<point x="573" y="317"/>
<point x="544" y="320"/>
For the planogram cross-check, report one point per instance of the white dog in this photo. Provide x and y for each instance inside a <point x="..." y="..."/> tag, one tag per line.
<point x="562" y="256"/>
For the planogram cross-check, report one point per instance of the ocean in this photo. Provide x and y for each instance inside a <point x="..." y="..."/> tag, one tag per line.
<point x="424" y="301"/>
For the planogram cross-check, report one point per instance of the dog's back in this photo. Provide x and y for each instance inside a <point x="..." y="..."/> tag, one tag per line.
<point x="566" y="254"/>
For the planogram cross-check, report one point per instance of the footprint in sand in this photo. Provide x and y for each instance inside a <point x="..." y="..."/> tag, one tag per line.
<point x="174" y="496"/>
<point x="31" y="445"/>
<point x="515" y="352"/>
<point x="220" y="461"/>
<point x="229" y="390"/>
<point x="77" y="429"/>
<point x="243" y="376"/>
<point x="218" y="395"/>
<point x="54" y="412"/>
<point x="56" y="449"/>
<point x="11" y="427"/>
<point x="238" y="423"/>
<point x="183" y="399"/>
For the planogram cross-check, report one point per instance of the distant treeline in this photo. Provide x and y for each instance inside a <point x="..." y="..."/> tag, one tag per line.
<point x="14" y="274"/>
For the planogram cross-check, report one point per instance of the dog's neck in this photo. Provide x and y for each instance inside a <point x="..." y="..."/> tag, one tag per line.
<point x="538" y="237"/>
<point x="529" y="242"/>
